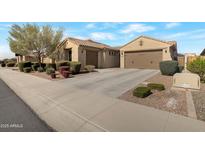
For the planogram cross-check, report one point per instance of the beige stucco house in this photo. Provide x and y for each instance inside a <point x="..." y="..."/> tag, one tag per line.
<point x="32" y="58"/>
<point x="147" y="52"/>
<point x="88" y="52"/>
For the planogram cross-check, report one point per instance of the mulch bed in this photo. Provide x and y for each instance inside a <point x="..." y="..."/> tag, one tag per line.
<point x="170" y="100"/>
<point x="199" y="102"/>
<point x="46" y="76"/>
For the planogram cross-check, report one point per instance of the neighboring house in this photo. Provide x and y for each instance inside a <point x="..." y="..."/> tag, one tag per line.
<point x="88" y="52"/>
<point x="146" y="52"/>
<point x="30" y="57"/>
<point x="181" y="59"/>
<point x="203" y="53"/>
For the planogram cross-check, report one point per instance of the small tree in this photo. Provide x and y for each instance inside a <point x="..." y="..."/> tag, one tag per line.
<point x="31" y="38"/>
<point x="197" y="66"/>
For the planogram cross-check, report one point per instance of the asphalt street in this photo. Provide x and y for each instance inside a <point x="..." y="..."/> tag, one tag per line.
<point x="15" y="115"/>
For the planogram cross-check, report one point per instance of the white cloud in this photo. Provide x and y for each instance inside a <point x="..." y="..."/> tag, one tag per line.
<point x="172" y="25"/>
<point x="194" y="34"/>
<point x="139" y="28"/>
<point x="90" y="26"/>
<point x="102" y="36"/>
<point x="109" y="25"/>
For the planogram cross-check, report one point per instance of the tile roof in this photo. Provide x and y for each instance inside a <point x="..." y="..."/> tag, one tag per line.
<point x="88" y="43"/>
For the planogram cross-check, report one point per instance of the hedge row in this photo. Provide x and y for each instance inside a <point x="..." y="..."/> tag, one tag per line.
<point x="23" y="65"/>
<point x="74" y="66"/>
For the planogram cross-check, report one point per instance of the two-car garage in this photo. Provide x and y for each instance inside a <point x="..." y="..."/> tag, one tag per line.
<point x="146" y="53"/>
<point x="143" y="59"/>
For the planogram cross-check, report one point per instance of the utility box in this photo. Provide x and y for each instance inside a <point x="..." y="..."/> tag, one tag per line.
<point x="186" y="80"/>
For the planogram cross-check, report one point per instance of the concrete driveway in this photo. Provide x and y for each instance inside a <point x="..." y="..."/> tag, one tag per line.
<point x="87" y="102"/>
<point x="112" y="82"/>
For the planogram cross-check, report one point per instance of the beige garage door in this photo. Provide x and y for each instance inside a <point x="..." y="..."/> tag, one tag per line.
<point x="92" y="58"/>
<point x="143" y="59"/>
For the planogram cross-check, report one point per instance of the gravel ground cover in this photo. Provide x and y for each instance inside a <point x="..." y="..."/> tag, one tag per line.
<point x="171" y="100"/>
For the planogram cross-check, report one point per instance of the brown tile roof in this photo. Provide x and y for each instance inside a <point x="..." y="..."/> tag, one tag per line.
<point x="88" y="43"/>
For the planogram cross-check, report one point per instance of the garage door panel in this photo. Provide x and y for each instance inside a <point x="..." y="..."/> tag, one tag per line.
<point x="143" y="59"/>
<point x="92" y="58"/>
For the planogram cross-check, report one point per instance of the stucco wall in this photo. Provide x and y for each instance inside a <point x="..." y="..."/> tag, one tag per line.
<point x="146" y="44"/>
<point x="110" y="59"/>
<point x="68" y="45"/>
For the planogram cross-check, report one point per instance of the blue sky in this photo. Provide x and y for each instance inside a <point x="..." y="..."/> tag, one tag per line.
<point x="190" y="36"/>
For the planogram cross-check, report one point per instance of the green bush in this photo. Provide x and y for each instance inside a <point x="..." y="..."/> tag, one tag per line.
<point x="142" y="92"/>
<point x="22" y="65"/>
<point x="168" y="67"/>
<point x="3" y="64"/>
<point x="75" y="66"/>
<point x="62" y="63"/>
<point x="197" y="66"/>
<point x="89" y="68"/>
<point x="40" y="69"/>
<point x="50" y="70"/>
<point x="27" y="69"/>
<point x="10" y="64"/>
<point x="51" y="65"/>
<point x="35" y="67"/>
<point x="156" y="86"/>
<point x="43" y="65"/>
<point x="16" y="65"/>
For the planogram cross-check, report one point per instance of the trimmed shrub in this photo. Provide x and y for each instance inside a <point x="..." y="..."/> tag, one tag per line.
<point x="3" y="64"/>
<point x="156" y="86"/>
<point x="51" y="65"/>
<point x="43" y="65"/>
<point x="27" y="69"/>
<point x="89" y="68"/>
<point x="40" y="69"/>
<point x="197" y="66"/>
<point x="62" y="63"/>
<point x="34" y="67"/>
<point x="75" y="67"/>
<point x="142" y="92"/>
<point x="64" y="68"/>
<point x="50" y="70"/>
<point x="168" y="67"/>
<point x="10" y="64"/>
<point x="22" y="65"/>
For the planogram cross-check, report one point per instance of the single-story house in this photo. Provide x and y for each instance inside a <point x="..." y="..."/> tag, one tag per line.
<point x="146" y="52"/>
<point x="88" y="52"/>
<point x="31" y="57"/>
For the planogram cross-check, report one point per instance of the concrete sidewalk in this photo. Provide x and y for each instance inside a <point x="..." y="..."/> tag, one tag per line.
<point x="71" y="108"/>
